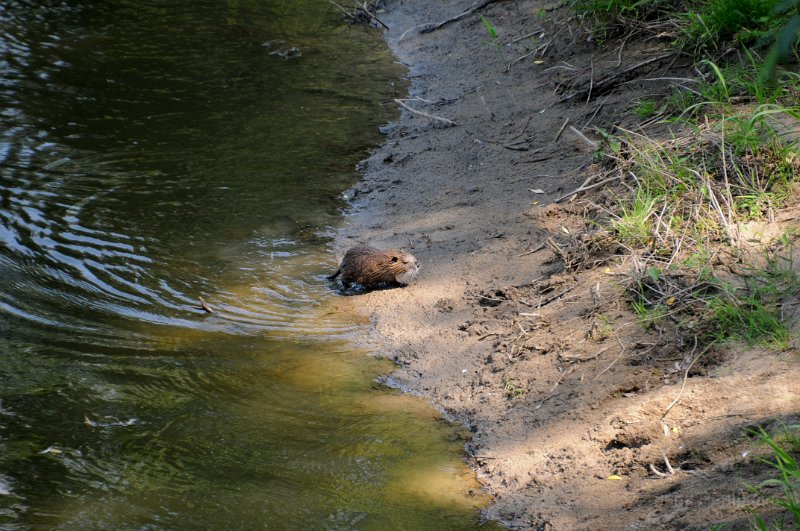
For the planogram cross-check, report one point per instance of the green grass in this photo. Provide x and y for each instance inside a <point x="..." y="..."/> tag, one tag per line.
<point x="717" y="21"/>
<point x="645" y="109"/>
<point x="634" y="225"/>
<point x="493" y="38"/>
<point x="688" y="197"/>
<point x="737" y="83"/>
<point x="785" y="447"/>
<point x="750" y="320"/>
<point x="608" y="14"/>
<point x="648" y="317"/>
<point x="704" y="25"/>
<point x="489" y="28"/>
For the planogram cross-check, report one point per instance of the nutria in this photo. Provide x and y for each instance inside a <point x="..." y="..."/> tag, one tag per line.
<point x="372" y="267"/>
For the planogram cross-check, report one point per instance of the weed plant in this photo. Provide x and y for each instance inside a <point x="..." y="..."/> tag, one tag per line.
<point x="686" y="203"/>
<point x="785" y="448"/>
<point x="681" y="206"/>
<point x="511" y="389"/>
<point x="702" y="24"/>
<point x="493" y="39"/>
<point x="717" y="21"/>
<point x="645" y="109"/>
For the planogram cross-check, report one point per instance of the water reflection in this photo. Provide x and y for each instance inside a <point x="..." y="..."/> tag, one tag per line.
<point x="142" y="140"/>
<point x="152" y="153"/>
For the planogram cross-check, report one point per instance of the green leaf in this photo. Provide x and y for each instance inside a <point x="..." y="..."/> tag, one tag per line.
<point x="491" y="29"/>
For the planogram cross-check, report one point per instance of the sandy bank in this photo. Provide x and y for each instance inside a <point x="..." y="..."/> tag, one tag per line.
<point x="493" y="332"/>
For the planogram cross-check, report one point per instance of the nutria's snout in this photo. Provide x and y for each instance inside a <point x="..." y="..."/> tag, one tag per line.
<point x="371" y="267"/>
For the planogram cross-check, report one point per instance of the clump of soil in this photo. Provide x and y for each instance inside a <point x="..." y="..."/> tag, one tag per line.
<point x="520" y="324"/>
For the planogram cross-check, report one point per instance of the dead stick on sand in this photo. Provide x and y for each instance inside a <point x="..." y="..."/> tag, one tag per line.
<point x="587" y="358"/>
<point x="539" y="248"/>
<point x="595" y="112"/>
<point x="666" y="462"/>
<point x="552" y="391"/>
<point x="531" y="34"/>
<point x="475" y="7"/>
<point x="615" y="360"/>
<point x="426" y="115"/>
<point x="585" y="186"/>
<point x="656" y="472"/>
<point x="609" y="82"/>
<point x="583" y="137"/>
<point x="563" y="126"/>
<point x="555" y="297"/>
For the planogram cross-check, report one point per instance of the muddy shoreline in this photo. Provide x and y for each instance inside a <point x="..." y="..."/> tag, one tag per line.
<point x="485" y="331"/>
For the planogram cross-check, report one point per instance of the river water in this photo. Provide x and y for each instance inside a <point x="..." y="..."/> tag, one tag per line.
<point x="154" y="152"/>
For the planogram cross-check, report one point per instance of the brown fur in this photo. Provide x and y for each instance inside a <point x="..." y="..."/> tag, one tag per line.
<point x="372" y="267"/>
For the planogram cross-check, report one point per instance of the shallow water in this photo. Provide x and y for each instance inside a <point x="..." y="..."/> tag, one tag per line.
<point x="153" y="153"/>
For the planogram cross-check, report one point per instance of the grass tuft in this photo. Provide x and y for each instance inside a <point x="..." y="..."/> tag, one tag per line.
<point x="785" y="447"/>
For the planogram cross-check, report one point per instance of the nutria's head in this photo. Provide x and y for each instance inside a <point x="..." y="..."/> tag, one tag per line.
<point x="403" y="265"/>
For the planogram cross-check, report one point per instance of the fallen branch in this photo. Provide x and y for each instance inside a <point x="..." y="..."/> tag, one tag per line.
<point x="591" y="143"/>
<point x="666" y="462"/>
<point x="552" y="391"/>
<point x="595" y="112"/>
<point x="656" y="472"/>
<point x="618" y="357"/>
<point x="606" y="84"/>
<point x="537" y="159"/>
<point x="575" y="359"/>
<point x="364" y="8"/>
<point x="563" y="126"/>
<point x="556" y="297"/>
<point x="450" y="123"/>
<point x="585" y="186"/>
<point x="531" y="34"/>
<point x="475" y="7"/>
<point x="539" y="248"/>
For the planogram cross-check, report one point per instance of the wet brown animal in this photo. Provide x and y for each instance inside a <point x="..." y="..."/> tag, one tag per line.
<point x="371" y="267"/>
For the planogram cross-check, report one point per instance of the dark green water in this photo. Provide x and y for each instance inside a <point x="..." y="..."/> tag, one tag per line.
<point x="153" y="152"/>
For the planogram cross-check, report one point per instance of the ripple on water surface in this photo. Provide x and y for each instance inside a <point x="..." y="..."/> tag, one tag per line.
<point x="154" y="153"/>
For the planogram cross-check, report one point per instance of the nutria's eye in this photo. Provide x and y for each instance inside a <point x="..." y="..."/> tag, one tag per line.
<point x="394" y="259"/>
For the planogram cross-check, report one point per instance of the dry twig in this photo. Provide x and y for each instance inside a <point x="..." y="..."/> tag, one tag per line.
<point x="475" y="7"/>
<point x="552" y="391"/>
<point x="449" y="123"/>
<point x="606" y="84"/>
<point x="561" y="130"/>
